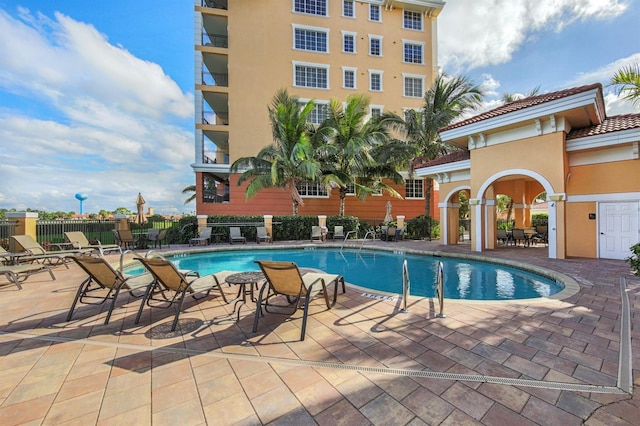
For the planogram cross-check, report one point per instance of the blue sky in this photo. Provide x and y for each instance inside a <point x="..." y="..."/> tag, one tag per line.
<point x="97" y="97"/>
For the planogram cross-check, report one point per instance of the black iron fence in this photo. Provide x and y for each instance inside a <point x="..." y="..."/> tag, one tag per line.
<point x="7" y="230"/>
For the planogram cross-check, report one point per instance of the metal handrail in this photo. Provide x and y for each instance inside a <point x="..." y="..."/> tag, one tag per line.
<point x="365" y="238"/>
<point x="346" y="237"/>
<point x="440" y="290"/>
<point x="406" y="286"/>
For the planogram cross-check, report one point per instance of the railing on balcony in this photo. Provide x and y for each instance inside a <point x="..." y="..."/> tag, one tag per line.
<point x="210" y="117"/>
<point x="208" y="160"/>
<point x="215" y="40"/>
<point x="215" y="79"/>
<point x="215" y="4"/>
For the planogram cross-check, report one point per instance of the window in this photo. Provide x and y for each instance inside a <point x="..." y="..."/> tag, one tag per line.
<point x="351" y="189"/>
<point x="375" y="81"/>
<point x="308" y="39"/>
<point x="348" y="42"/>
<point x="312" y="7"/>
<point x="318" y="114"/>
<point x="347" y="9"/>
<point x="413" y="53"/>
<point x="376" y="110"/>
<point x="413" y="86"/>
<point x="375" y="46"/>
<point x="374" y="13"/>
<point x="412" y="20"/>
<point x="413" y="188"/>
<point x="311" y="189"/>
<point x="311" y="76"/>
<point x="349" y="78"/>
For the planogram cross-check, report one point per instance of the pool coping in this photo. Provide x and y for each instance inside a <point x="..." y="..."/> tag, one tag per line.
<point x="571" y="286"/>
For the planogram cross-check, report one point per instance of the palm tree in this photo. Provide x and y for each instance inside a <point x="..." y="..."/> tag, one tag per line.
<point x="289" y="160"/>
<point x="445" y="101"/>
<point x="628" y="80"/>
<point x="358" y="153"/>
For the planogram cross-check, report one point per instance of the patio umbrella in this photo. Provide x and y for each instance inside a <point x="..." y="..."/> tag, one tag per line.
<point x="388" y="218"/>
<point x="140" y="217"/>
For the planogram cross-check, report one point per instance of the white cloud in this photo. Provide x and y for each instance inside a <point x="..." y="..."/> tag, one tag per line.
<point x="488" y="32"/>
<point x="102" y="121"/>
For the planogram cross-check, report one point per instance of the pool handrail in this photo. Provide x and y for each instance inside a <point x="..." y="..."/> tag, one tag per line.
<point x="440" y="290"/>
<point x="406" y="286"/>
<point x="371" y="232"/>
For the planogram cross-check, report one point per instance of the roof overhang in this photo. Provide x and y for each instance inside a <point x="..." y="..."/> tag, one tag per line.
<point x="430" y="8"/>
<point x="457" y="166"/>
<point x="604" y="141"/>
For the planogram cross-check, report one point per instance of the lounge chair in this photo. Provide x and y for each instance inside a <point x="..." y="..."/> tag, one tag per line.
<point x="203" y="237"/>
<point x="157" y="236"/>
<point x="285" y="279"/>
<point x="518" y="235"/>
<point x="338" y="232"/>
<point x="126" y="239"/>
<point x="502" y="236"/>
<point x="37" y="253"/>
<point x="169" y="279"/>
<point x="18" y="273"/>
<point x="262" y="236"/>
<point x="103" y="277"/>
<point x="80" y="241"/>
<point x="316" y="233"/>
<point x="235" y="236"/>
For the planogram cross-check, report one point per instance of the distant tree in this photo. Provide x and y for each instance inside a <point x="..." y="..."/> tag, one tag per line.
<point x="122" y="210"/>
<point x="508" y="97"/>
<point x="628" y="81"/>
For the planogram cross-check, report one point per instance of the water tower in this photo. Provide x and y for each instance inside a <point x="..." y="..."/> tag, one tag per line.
<point x="81" y="197"/>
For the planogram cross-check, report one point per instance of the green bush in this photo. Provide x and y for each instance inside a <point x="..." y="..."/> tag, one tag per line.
<point x="540" y="219"/>
<point x="634" y="260"/>
<point x="421" y="227"/>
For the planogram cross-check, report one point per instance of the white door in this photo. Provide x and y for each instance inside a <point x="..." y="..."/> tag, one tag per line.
<point x="618" y="228"/>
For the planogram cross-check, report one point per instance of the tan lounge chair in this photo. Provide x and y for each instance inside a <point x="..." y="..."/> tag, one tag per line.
<point x="18" y="273"/>
<point x="338" y="232"/>
<point x="37" y="253"/>
<point x="316" y="233"/>
<point x="157" y="236"/>
<point x="169" y="279"/>
<point x="102" y="277"/>
<point x="285" y="279"/>
<point x="80" y="241"/>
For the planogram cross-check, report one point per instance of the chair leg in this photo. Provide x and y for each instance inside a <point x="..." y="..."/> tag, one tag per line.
<point x="259" y="306"/>
<point x="145" y="299"/>
<point x="113" y="304"/>
<point x="81" y="289"/>
<point x="175" y="319"/>
<point x="304" y="317"/>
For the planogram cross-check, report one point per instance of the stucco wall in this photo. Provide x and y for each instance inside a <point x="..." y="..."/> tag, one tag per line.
<point x="582" y="232"/>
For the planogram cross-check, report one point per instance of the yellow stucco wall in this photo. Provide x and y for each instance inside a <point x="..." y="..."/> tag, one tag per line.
<point x="582" y="234"/>
<point x="597" y="178"/>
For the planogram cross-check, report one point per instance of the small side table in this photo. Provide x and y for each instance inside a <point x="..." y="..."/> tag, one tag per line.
<point x="242" y="279"/>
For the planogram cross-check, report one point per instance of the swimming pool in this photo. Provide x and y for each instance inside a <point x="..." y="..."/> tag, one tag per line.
<point x="382" y="271"/>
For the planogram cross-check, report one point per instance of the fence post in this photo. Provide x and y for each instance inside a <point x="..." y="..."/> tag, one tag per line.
<point x="26" y="224"/>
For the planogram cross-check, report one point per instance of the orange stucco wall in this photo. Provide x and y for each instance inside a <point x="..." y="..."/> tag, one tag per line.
<point x="589" y="179"/>
<point x="278" y="202"/>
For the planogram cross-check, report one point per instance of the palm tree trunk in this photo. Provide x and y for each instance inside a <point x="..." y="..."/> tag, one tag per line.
<point x="427" y="195"/>
<point x="343" y="196"/>
<point x="295" y="207"/>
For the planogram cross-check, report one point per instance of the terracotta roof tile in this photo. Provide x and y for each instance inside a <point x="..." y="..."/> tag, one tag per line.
<point x="452" y="157"/>
<point x="522" y="104"/>
<point x="609" y="125"/>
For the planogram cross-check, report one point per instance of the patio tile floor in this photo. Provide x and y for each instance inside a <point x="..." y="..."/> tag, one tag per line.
<point x="362" y="362"/>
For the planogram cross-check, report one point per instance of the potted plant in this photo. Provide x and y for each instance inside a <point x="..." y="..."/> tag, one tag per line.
<point x="634" y="259"/>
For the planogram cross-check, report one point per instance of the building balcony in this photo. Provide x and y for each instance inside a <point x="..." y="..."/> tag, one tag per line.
<point x="216" y="4"/>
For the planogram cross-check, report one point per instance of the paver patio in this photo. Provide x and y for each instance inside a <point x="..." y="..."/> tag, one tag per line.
<point x="363" y="361"/>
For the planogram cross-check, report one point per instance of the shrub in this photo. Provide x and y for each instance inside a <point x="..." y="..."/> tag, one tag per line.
<point x="634" y="259"/>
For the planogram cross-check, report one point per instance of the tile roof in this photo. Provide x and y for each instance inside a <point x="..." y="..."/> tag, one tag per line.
<point x="522" y="104"/>
<point x="453" y="157"/>
<point x="609" y="125"/>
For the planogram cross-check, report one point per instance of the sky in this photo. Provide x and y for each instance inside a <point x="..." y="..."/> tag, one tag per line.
<point x="97" y="97"/>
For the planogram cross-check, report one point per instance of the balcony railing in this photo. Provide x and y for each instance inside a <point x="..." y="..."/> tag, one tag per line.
<point x="210" y="117"/>
<point x="215" y="40"/>
<point x="215" y="79"/>
<point x="215" y="4"/>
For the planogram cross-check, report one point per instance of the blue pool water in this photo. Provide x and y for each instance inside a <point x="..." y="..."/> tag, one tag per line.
<point x="382" y="270"/>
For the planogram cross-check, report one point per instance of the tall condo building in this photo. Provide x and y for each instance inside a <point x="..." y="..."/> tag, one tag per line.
<point x="247" y="50"/>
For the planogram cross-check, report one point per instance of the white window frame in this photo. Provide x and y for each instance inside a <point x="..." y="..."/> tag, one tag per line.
<point x="407" y="196"/>
<point x="320" y="189"/>
<point x="353" y="6"/>
<point x="371" y="74"/>
<point x="379" y="8"/>
<point x="373" y="107"/>
<point x="355" y="77"/>
<point x="309" y="28"/>
<point x="316" y="102"/>
<point x="379" y="38"/>
<point x="296" y="64"/>
<point x="326" y="7"/>
<point x="421" y="20"/>
<point x="405" y="76"/>
<point x="413" y="43"/>
<point x="355" y="40"/>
